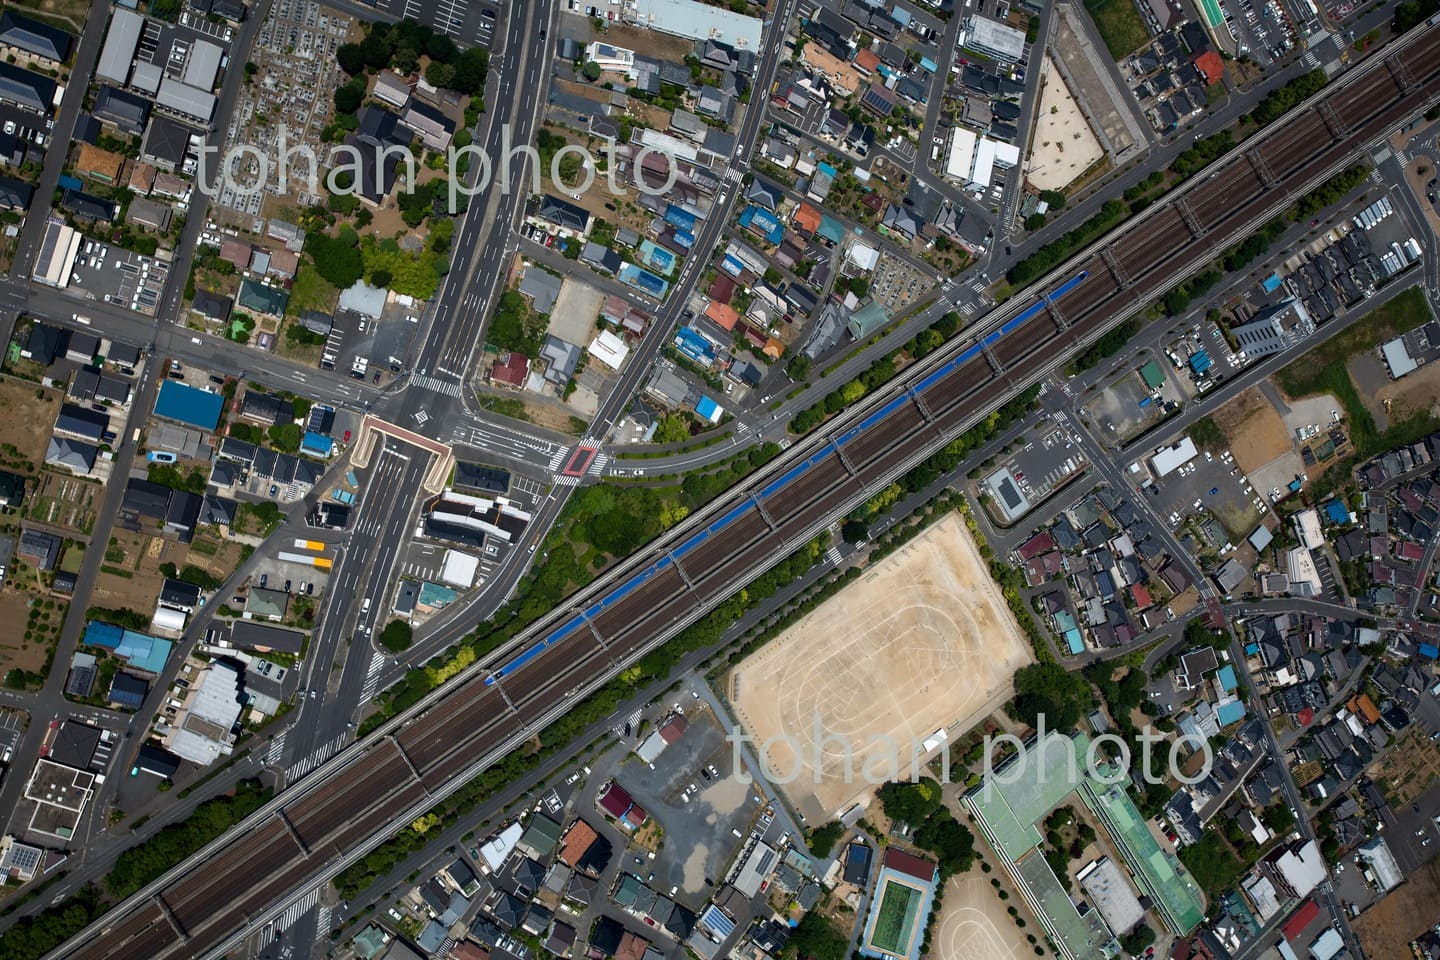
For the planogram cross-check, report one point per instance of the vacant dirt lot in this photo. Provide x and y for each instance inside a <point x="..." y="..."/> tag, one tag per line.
<point x="1417" y="392"/>
<point x="1063" y="146"/>
<point x="17" y="653"/>
<point x="973" y="923"/>
<point x="25" y="423"/>
<point x="130" y="576"/>
<point x="1256" y="431"/>
<point x="923" y="642"/>
<point x="650" y="43"/>
<point x="1386" y="928"/>
<point x="220" y="558"/>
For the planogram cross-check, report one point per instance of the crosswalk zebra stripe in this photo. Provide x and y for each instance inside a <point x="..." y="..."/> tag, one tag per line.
<point x="436" y="385"/>
<point x="298" y="909"/>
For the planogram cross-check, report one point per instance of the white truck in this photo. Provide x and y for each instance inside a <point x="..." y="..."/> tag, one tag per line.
<point x="358" y="368"/>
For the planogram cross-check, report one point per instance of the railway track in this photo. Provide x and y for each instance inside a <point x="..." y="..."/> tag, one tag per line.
<point x="307" y="838"/>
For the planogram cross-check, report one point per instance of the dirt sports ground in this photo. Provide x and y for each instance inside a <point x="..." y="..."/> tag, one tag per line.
<point x="973" y="924"/>
<point x="1386" y="929"/>
<point x="923" y="642"/>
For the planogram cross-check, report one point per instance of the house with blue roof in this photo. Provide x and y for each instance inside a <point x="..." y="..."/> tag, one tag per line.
<point x="643" y="280"/>
<point x="143" y="652"/>
<point x="1065" y="623"/>
<point x="1337" y="512"/>
<point x="656" y="256"/>
<point x="708" y="409"/>
<point x="693" y="344"/>
<point x="1226" y="676"/>
<point x="763" y="224"/>
<point x="1231" y="712"/>
<point x="680" y="218"/>
<point x="189" y="405"/>
<point x="316" y="444"/>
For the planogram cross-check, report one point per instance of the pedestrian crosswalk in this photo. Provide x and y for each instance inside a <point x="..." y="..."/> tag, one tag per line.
<point x="632" y="721"/>
<point x="598" y="464"/>
<point x="322" y="753"/>
<point x="557" y="458"/>
<point x="322" y="923"/>
<point x="298" y="909"/>
<point x="436" y="385"/>
<point x="277" y="748"/>
<point x="372" y="676"/>
<point x="1310" y="61"/>
<point x="1403" y="157"/>
<point x="832" y="556"/>
<point x="978" y="286"/>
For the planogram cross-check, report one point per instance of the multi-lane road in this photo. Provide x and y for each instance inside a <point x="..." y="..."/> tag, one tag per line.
<point x="314" y="830"/>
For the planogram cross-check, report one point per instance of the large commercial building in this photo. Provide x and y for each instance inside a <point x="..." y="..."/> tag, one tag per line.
<point x="1273" y="329"/>
<point x="119" y="49"/>
<point x="1009" y="808"/>
<point x="995" y="39"/>
<point x="204" y="728"/>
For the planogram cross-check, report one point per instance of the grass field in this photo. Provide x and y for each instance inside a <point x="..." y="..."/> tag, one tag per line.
<point x="894" y="924"/>
<point x="1119" y="24"/>
<point x="1401" y="314"/>
<point x="1324" y="370"/>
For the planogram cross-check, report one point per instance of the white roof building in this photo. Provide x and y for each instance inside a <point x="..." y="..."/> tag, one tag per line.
<point x="459" y="569"/>
<point x="1108" y="889"/>
<point x="611" y="58"/>
<point x="1169" y="459"/>
<point x="1328" y="944"/>
<point x="1300" y="569"/>
<point x="202" y="732"/>
<point x="961" y="158"/>
<point x="1307" y="529"/>
<point x="1398" y="359"/>
<point x="984" y="170"/>
<point x="169" y="619"/>
<point x="1376" y="852"/>
<point x="202" y="66"/>
<point x="498" y="848"/>
<point x="179" y="97"/>
<point x="862" y="255"/>
<point x="609" y="349"/>
<point x="996" y="39"/>
<point x="1301" y="868"/>
<point x="58" y="251"/>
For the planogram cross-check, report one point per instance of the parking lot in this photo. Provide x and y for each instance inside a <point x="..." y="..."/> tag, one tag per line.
<point x="470" y="23"/>
<point x="117" y="276"/>
<point x="697" y="808"/>
<point x="1263" y="29"/>
<point x="1211" y="485"/>
<point x="1044" y="464"/>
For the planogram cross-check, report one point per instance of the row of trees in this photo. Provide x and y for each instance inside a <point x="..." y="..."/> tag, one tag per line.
<point x="877" y="375"/>
<point x="400" y="46"/>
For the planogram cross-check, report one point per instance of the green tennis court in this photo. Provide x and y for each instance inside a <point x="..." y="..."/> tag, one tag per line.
<point x="895" y="920"/>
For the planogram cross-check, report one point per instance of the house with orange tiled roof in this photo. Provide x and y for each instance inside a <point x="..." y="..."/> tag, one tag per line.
<point x="723" y="315"/>
<point x="576" y="841"/>
<point x="806" y="219"/>
<point x="1210" y="64"/>
<point x="867" y="60"/>
<point x="1365" y="707"/>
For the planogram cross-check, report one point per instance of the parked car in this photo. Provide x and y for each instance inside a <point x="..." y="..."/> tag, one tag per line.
<point x="160" y="456"/>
